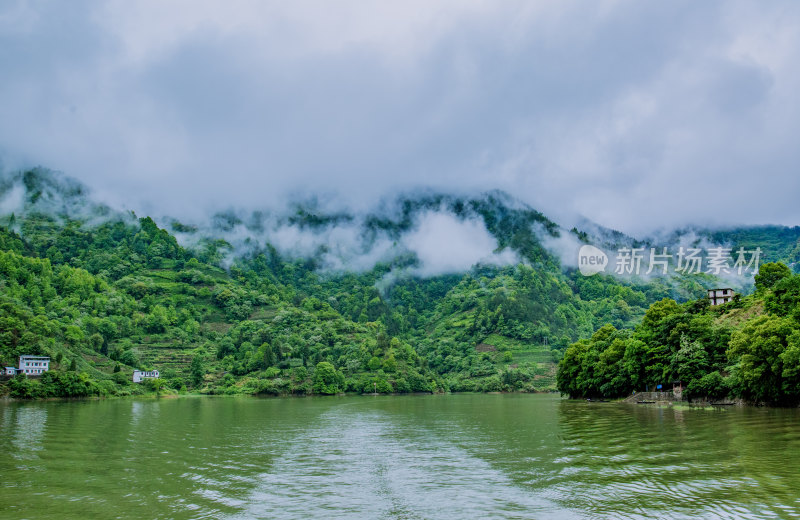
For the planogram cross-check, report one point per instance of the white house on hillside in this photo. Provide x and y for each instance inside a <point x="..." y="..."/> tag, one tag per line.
<point x="141" y="375"/>
<point x="33" y="365"/>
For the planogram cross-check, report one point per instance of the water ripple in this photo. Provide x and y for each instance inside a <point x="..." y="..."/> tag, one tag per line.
<point x="459" y="456"/>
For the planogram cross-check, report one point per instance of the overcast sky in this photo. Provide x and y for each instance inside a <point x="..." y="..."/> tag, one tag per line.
<point x="638" y="115"/>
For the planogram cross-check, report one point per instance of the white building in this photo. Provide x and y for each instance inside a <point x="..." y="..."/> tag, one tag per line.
<point x="720" y="296"/>
<point x="10" y="371"/>
<point x="33" y="365"/>
<point x="140" y="375"/>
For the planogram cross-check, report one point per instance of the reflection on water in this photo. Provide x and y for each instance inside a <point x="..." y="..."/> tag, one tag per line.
<point x="372" y="464"/>
<point x="27" y="431"/>
<point x="708" y="462"/>
<point x="459" y="456"/>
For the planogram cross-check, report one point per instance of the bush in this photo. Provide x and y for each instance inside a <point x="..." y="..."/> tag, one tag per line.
<point x="401" y="386"/>
<point x="374" y="364"/>
<point x="327" y="380"/>
<point x="23" y="387"/>
<point x="378" y="384"/>
<point x="711" y="385"/>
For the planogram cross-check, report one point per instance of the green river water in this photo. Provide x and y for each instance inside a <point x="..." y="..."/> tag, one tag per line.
<point x="446" y="456"/>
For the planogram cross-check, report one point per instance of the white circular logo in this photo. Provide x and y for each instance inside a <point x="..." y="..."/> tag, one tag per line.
<point x="591" y="260"/>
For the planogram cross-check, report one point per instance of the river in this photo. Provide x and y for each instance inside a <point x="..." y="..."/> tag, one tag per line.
<point x="398" y="457"/>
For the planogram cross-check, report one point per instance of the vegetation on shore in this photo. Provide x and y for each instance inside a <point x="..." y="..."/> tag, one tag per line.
<point x="103" y="293"/>
<point x="747" y="349"/>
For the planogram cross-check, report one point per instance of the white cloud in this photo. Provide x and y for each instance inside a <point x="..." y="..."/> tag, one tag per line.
<point x="630" y="113"/>
<point x="441" y="242"/>
<point x="13" y="201"/>
<point x="446" y="244"/>
<point x="344" y="246"/>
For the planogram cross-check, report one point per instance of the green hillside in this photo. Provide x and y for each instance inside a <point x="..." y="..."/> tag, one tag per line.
<point x="103" y="293"/>
<point x="748" y="348"/>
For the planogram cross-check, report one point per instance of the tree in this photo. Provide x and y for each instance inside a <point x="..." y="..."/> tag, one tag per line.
<point x="74" y="335"/>
<point x="711" y="385"/>
<point x="265" y="355"/>
<point x="155" y="384"/>
<point x="790" y="358"/>
<point x="390" y="364"/>
<point x="634" y="362"/>
<point x="690" y="362"/>
<point x="21" y="386"/>
<point x="784" y="300"/>
<point x="225" y="348"/>
<point x="377" y="384"/>
<point x="96" y="342"/>
<point x="771" y="273"/>
<point x="327" y="380"/>
<point x="374" y="363"/>
<point x="197" y="370"/>
<point x="652" y="328"/>
<point x="759" y="350"/>
<point x="158" y="320"/>
<point x="129" y="358"/>
<point x="300" y="373"/>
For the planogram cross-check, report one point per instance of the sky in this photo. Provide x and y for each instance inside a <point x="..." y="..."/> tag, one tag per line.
<point x="637" y="115"/>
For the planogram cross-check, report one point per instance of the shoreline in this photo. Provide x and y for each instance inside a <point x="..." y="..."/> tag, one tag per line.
<point x="661" y="403"/>
<point x="6" y="398"/>
<point x="630" y="400"/>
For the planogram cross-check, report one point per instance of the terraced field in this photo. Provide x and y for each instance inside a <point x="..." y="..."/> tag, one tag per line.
<point x="171" y="355"/>
<point x="537" y="355"/>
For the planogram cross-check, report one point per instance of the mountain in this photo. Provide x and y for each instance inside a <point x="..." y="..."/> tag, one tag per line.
<point x="427" y="292"/>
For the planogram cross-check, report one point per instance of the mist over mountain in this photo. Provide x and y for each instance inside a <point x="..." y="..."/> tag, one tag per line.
<point x="636" y="116"/>
<point x="431" y="233"/>
<point x="419" y="233"/>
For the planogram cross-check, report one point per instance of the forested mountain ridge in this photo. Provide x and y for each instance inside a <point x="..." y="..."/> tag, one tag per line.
<point x="103" y="292"/>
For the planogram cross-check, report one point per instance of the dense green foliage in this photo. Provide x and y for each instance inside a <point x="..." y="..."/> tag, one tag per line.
<point x="748" y="348"/>
<point x="203" y="327"/>
<point x="104" y="293"/>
